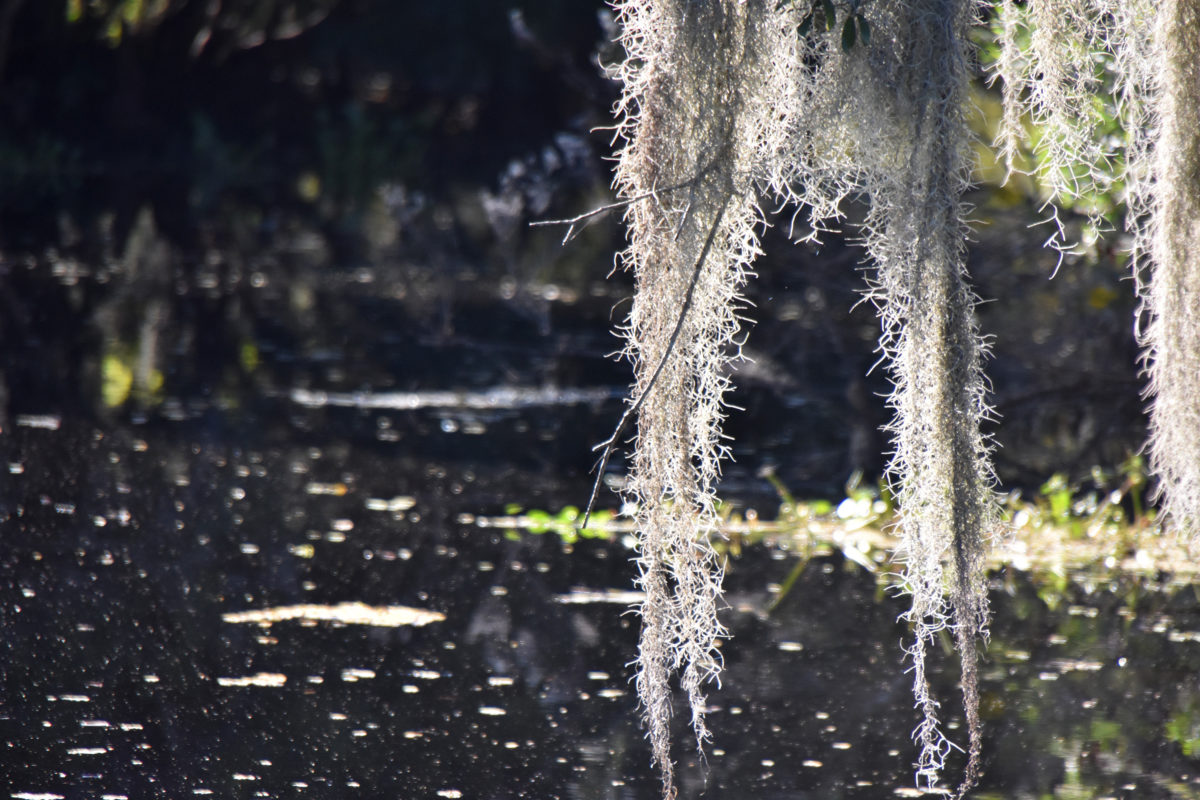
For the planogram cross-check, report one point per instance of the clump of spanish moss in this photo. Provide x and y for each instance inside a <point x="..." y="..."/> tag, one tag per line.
<point x="940" y="470"/>
<point x="886" y="122"/>
<point x="1154" y="50"/>
<point x="1170" y="236"/>
<point x="697" y="119"/>
<point x="721" y="99"/>
<point x="1053" y="57"/>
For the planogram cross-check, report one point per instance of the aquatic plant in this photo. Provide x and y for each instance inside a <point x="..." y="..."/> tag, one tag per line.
<point x="727" y="100"/>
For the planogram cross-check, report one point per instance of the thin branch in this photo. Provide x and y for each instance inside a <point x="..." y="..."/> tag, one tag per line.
<point x="633" y="409"/>
<point x="572" y="222"/>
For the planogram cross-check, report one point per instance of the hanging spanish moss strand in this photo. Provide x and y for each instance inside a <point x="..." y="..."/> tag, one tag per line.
<point x="1171" y="238"/>
<point x="886" y="120"/>
<point x="940" y="468"/>
<point x="1156" y="56"/>
<point x="1051" y="66"/>
<point x="696" y="113"/>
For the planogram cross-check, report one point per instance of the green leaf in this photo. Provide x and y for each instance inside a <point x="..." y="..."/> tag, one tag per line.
<point x="848" y="34"/>
<point x="830" y="14"/>
<point x="864" y="30"/>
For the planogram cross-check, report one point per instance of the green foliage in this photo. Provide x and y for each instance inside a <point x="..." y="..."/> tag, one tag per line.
<point x="564" y="523"/>
<point x="823" y="18"/>
<point x="118" y="18"/>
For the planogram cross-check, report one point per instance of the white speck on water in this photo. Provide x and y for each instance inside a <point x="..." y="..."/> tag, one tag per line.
<point x="132" y="726"/>
<point x="766" y="762"/>
<point x="492" y="711"/>
<point x="337" y="716"/>
<point x="150" y="678"/>
<point x="249" y="549"/>
<point x="450" y="793"/>
<point x="408" y="688"/>
<point x="499" y="680"/>
<point x="263" y="679"/>
<point x="242" y="776"/>
<point x="791" y="647"/>
<point x="36" y="796"/>
<point x="87" y="751"/>
<point x="75" y="698"/>
<point x="237" y="493"/>
<point x="353" y="674"/>
<point x="343" y="525"/>
<point x="46" y="422"/>
<point x="812" y="762"/>
<point x="395" y="504"/>
<point x="431" y="675"/>
<point x="598" y="676"/>
<point x="93" y="723"/>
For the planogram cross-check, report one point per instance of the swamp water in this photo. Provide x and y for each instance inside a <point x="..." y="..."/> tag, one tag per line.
<point x="285" y="592"/>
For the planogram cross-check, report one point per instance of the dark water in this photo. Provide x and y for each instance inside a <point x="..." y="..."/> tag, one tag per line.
<point x="129" y="535"/>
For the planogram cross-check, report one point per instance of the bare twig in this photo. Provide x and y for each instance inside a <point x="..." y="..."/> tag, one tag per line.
<point x="572" y="222"/>
<point x="633" y="409"/>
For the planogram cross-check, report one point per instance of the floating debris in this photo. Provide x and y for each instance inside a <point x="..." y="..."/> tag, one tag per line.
<point x="582" y="596"/>
<point x="46" y="422"/>
<point x="347" y="613"/>
<point x="500" y="397"/>
<point x="266" y="679"/>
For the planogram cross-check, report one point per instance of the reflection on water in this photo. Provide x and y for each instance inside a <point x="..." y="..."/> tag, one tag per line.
<point x="272" y="577"/>
<point x="415" y="654"/>
<point x="345" y="613"/>
<point x="500" y="397"/>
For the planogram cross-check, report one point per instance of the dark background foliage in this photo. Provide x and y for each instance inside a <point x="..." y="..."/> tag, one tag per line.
<point x="183" y="179"/>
